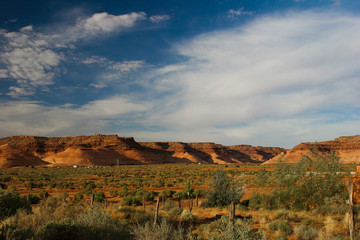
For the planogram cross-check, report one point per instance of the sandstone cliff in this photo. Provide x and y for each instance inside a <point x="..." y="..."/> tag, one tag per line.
<point x="208" y="152"/>
<point x="348" y="149"/>
<point x="111" y="150"/>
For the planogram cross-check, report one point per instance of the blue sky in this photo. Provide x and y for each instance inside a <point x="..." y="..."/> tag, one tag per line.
<point x="260" y="72"/>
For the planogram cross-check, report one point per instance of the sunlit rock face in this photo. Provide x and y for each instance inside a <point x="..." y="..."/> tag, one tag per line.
<point x="112" y="150"/>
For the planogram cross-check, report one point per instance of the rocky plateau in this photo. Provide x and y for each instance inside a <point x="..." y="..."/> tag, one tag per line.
<point x="112" y="150"/>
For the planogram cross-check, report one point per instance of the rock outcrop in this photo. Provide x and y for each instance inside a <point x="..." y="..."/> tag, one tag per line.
<point x="111" y="150"/>
<point x="348" y="149"/>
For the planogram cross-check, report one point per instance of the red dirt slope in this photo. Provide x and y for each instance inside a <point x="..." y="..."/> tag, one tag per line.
<point x="12" y="157"/>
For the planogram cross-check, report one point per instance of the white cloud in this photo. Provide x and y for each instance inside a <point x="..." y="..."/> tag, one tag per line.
<point x="171" y="68"/>
<point x="28" y="57"/>
<point x="276" y="68"/>
<point x="33" y="59"/>
<point x="232" y="13"/>
<point x="103" y="22"/>
<point x="98" y="85"/>
<point x="27" y="28"/>
<point x="113" y="71"/>
<point x="284" y="132"/>
<point x="95" y="60"/>
<point x="35" y="118"/>
<point x="277" y="80"/>
<point x="159" y="18"/>
<point x="125" y="66"/>
<point x="17" y="92"/>
<point x="111" y="107"/>
<point x="4" y="73"/>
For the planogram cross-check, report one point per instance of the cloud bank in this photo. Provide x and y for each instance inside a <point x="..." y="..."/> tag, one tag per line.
<point x="35" y="118"/>
<point x="278" y="80"/>
<point x="299" y="69"/>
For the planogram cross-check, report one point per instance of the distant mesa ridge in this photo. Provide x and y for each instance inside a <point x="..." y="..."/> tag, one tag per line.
<point x="347" y="148"/>
<point x="111" y="150"/>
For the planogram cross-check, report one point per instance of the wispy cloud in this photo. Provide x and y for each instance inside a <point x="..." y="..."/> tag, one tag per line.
<point x="337" y="2"/>
<point x="275" y="68"/>
<point x="159" y="18"/>
<point x="112" y="70"/>
<point x="232" y="13"/>
<point x="17" y="92"/>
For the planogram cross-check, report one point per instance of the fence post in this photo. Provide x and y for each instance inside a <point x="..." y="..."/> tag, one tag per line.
<point x="232" y="212"/>
<point x="351" y="210"/>
<point x="92" y="200"/>
<point x="157" y="211"/>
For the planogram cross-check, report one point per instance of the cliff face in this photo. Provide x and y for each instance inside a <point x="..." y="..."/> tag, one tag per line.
<point x="348" y="149"/>
<point x="111" y="149"/>
<point x="208" y="152"/>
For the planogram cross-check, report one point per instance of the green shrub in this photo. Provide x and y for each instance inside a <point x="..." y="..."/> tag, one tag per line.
<point x="304" y="233"/>
<point x="281" y="199"/>
<point x="189" y="217"/>
<point x="10" y="202"/>
<point x="114" y="193"/>
<point x="222" y="229"/>
<point x="199" y="192"/>
<point x="175" y="212"/>
<point x="130" y="201"/>
<point x="163" y="231"/>
<point x="281" y="225"/>
<point x="3" y="186"/>
<point x="308" y="222"/>
<point x="63" y="229"/>
<point x="261" y="201"/>
<point x="333" y="205"/>
<point x="282" y="214"/>
<point x="281" y="236"/>
<point x="167" y="193"/>
<point x="128" y="212"/>
<point x="14" y="232"/>
<point x="79" y="195"/>
<point x="43" y="194"/>
<point x="141" y="217"/>
<point x="99" y="197"/>
<point x="142" y="195"/>
<point x="223" y="192"/>
<point x="96" y="224"/>
<point x="169" y="205"/>
<point x="32" y="198"/>
<point x="310" y="181"/>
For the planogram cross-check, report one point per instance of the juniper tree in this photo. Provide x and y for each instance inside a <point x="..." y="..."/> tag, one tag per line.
<point x="223" y="191"/>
